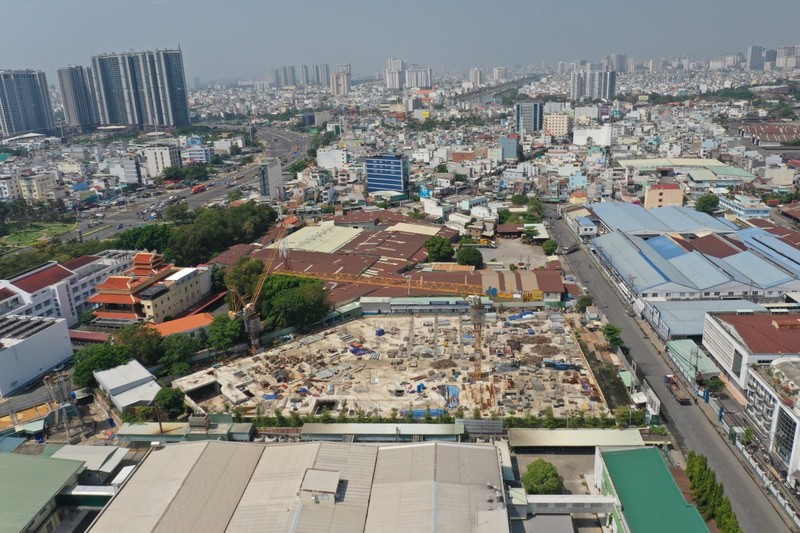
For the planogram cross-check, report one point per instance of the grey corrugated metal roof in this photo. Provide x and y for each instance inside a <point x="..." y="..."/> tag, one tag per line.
<point x="211" y="491"/>
<point x="429" y="487"/>
<point x="378" y="429"/>
<point x="684" y="318"/>
<point x="147" y="495"/>
<point x="98" y="458"/>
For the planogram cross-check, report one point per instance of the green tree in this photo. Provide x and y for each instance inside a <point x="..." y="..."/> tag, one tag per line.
<point x="749" y="436"/>
<point x="97" y="357"/>
<point x="469" y="255"/>
<point x="529" y="234"/>
<point x="519" y="199"/>
<point x="178" y="214"/>
<point x="86" y="317"/>
<point x="172" y="174"/>
<point x="707" y="203"/>
<point x="170" y="401"/>
<point x="583" y="302"/>
<point x="225" y="332"/>
<point x="441" y="168"/>
<point x="178" y="350"/>
<point x="218" y="278"/>
<point x="235" y="195"/>
<point x="439" y="249"/>
<point x="243" y="277"/>
<point x="542" y="477"/>
<point x="153" y="237"/>
<point x="299" y="307"/>
<point x="549" y="247"/>
<point x="613" y="335"/>
<point x="715" y="385"/>
<point x="142" y="341"/>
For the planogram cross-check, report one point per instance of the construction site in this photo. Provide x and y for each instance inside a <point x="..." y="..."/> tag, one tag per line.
<point x="411" y="366"/>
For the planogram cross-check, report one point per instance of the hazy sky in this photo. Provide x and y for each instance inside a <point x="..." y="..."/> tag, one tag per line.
<point x="247" y="38"/>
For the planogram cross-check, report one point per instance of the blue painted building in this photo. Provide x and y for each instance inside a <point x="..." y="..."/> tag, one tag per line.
<point x="387" y="173"/>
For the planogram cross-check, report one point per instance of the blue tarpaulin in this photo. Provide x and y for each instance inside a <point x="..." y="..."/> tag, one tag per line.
<point x="270" y="396"/>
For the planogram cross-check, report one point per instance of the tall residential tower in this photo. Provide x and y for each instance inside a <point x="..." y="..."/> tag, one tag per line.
<point x="24" y="102"/>
<point x="77" y="93"/>
<point x="144" y="89"/>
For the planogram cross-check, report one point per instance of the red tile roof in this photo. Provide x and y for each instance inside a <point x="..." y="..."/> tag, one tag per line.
<point x="118" y="299"/>
<point x="549" y="281"/>
<point x="88" y="336"/>
<point x="117" y="283"/>
<point x="712" y="245"/>
<point x="6" y="293"/>
<point x="230" y="256"/>
<point x="37" y="281"/>
<point x="765" y="333"/>
<point x="78" y="262"/>
<point x="183" y="325"/>
<point x="121" y="315"/>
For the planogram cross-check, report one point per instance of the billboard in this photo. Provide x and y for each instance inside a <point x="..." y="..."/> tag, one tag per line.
<point x="424" y="192"/>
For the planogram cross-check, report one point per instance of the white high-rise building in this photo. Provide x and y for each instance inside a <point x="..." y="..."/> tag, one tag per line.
<point x="161" y="157"/>
<point x="419" y="78"/>
<point x="395" y="73"/>
<point x="476" y="77"/>
<point x="340" y="83"/>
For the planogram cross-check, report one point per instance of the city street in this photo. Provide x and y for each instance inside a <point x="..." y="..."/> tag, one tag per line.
<point x="752" y="506"/>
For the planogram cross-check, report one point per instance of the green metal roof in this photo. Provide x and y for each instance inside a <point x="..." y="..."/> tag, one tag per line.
<point x="27" y="483"/>
<point x="3" y="157"/>
<point x="651" y="500"/>
<point x="690" y="357"/>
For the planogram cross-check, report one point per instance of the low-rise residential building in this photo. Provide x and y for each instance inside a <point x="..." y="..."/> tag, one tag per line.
<point x="744" y="206"/>
<point x="161" y="157"/>
<point x="40" y="188"/>
<point x="663" y="195"/>
<point x="30" y="347"/>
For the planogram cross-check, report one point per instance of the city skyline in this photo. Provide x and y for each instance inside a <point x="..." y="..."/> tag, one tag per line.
<point x="442" y="36"/>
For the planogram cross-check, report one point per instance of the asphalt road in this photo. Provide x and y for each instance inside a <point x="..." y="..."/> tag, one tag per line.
<point x="752" y="506"/>
<point x="277" y="143"/>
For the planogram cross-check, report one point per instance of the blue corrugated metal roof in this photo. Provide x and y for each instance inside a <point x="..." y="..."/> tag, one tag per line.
<point x="760" y="271"/>
<point x="627" y="261"/>
<point x="699" y="271"/>
<point x="633" y="218"/>
<point x="666" y="247"/>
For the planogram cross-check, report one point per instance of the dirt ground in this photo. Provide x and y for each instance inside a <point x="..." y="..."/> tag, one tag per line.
<point x="514" y="251"/>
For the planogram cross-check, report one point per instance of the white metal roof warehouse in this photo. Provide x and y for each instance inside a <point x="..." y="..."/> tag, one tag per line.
<point x="573" y="438"/>
<point x="215" y="486"/>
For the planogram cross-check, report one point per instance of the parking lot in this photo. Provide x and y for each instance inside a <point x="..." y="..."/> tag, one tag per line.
<point x="514" y="251"/>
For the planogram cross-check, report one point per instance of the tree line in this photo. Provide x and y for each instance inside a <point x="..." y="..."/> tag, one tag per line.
<point x="196" y="236"/>
<point x="143" y="343"/>
<point x="710" y="495"/>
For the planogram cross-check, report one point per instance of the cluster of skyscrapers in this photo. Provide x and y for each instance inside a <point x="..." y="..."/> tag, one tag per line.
<point x="398" y="75"/>
<point x="143" y="90"/>
<point x="595" y="85"/>
<point x="785" y="57"/>
<point x="309" y="76"/>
